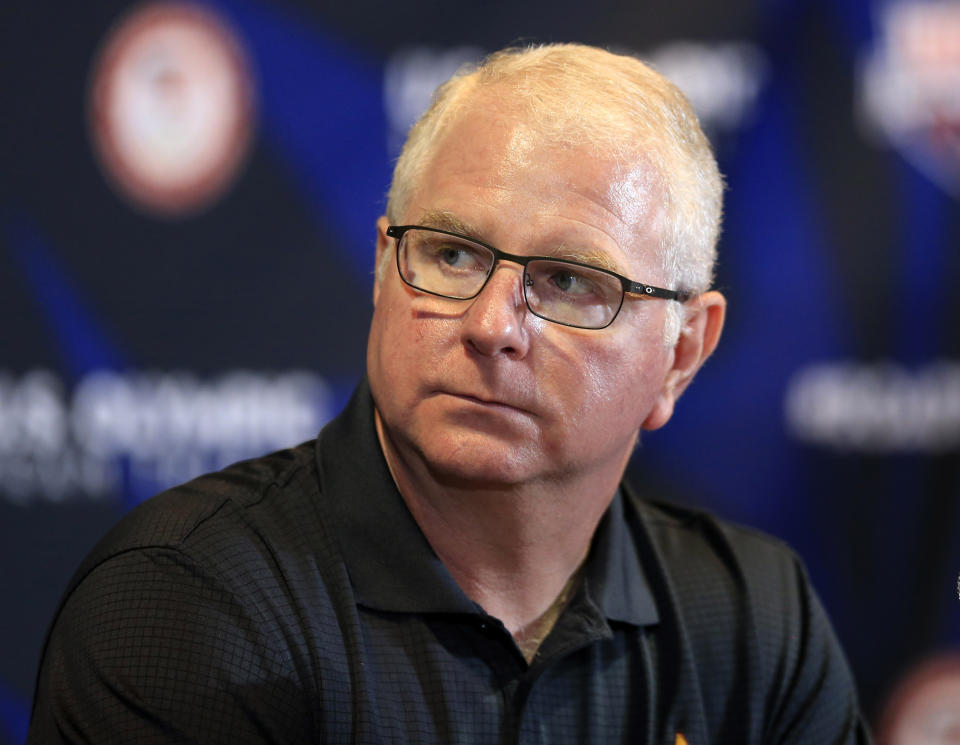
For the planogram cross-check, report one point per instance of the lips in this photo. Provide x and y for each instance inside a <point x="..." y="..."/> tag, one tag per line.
<point x="492" y="402"/>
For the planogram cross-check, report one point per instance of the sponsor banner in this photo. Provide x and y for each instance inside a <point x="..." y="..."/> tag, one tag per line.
<point x="130" y="434"/>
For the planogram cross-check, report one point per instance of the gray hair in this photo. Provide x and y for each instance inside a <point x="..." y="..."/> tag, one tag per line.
<point x="616" y="105"/>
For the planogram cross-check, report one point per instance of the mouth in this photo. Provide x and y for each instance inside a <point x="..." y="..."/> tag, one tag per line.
<point x="491" y="404"/>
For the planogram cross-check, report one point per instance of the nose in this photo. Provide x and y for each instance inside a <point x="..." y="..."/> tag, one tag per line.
<point x="493" y="324"/>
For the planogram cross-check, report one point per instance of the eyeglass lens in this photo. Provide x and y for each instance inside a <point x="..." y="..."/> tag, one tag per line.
<point x="558" y="291"/>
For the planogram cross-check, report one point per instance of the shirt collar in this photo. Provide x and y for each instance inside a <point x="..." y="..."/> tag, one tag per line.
<point x="391" y="564"/>
<point x="615" y="580"/>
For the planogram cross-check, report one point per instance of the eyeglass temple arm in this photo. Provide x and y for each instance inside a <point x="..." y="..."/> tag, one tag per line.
<point x="638" y="288"/>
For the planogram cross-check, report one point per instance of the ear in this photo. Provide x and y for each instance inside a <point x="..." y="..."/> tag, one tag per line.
<point x="383" y="244"/>
<point x="698" y="339"/>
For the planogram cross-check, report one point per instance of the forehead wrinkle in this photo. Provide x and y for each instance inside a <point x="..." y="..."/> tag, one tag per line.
<point x="627" y="217"/>
<point x="588" y="254"/>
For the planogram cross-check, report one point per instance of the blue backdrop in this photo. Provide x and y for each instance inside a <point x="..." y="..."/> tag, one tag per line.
<point x="143" y="343"/>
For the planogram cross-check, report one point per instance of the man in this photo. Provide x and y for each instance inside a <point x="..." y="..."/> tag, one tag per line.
<point x="455" y="559"/>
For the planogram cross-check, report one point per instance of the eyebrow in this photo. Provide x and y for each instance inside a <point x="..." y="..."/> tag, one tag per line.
<point x="588" y="256"/>
<point x="445" y="220"/>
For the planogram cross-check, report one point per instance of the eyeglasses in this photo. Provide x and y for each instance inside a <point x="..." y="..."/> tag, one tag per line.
<point x="570" y="293"/>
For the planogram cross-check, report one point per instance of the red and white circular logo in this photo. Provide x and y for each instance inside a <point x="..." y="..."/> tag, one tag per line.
<point x="925" y="707"/>
<point x="171" y="106"/>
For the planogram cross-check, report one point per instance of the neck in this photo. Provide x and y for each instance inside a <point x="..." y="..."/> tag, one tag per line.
<point x="511" y="548"/>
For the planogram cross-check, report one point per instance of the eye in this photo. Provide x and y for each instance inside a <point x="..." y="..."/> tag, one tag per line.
<point x="451" y="256"/>
<point x="571" y="282"/>
<point x="456" y="256"/>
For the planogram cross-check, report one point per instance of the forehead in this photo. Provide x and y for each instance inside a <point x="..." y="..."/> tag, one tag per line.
<point x="497" y="170"/>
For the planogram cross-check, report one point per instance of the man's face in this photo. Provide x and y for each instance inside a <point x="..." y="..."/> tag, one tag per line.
<point x="482" y="389"/>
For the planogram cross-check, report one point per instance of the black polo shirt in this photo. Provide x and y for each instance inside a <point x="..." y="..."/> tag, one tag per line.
<point x="293" y="599"/>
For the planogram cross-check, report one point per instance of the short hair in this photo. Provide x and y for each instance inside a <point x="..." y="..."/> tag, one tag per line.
<point x="616" y="105"/>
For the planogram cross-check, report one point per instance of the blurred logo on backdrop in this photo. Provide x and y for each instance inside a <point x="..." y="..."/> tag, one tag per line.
<point x="131" y="434"/>
<point x="910" y="87"/>
<point x="410" y="77"/>
<point x="721" y="80"/>
<point x="878" y="408"/>
<point x="171" y="107"/>
<point x="925" y="707"/>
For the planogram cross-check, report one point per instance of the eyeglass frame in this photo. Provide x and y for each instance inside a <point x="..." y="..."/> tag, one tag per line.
<point x="627" y="285"/>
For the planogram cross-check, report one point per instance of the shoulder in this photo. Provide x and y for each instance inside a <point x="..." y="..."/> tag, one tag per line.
<point x="247" y="501"/>
<point x="696" y="547"/>
<point x="242" y="540"/>
<point x="727" y="584"/>
<point x="191" y="612"/>
<point x="740" y="605"/>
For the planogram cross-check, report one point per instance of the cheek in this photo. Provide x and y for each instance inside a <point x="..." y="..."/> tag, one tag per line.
<point x="402" y="340"/>
<point x="386" y="341"/>
<point x="623" y="382"/>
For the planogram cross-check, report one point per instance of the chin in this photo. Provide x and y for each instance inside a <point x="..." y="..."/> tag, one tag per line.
<point x="479" y="460"/>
